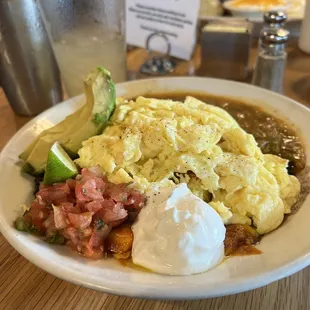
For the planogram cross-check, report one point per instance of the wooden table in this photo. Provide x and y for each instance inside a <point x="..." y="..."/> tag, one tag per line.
<point x="24" y="286"/>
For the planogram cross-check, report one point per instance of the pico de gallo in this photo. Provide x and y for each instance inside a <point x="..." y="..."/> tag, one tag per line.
<point x="83" y="212"/>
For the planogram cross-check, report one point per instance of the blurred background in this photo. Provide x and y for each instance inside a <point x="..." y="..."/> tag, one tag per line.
<point x="48" y="47"/>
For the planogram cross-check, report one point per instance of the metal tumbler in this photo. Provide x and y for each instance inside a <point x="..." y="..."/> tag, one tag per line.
<point x="29" y="73"/>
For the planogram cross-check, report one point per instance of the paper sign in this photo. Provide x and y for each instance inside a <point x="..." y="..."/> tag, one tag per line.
<point x="176" y="19"/>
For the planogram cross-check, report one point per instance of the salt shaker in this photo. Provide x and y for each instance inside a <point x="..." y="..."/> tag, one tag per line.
<point x="274" y="19"/>
<point x="271" y="61"/>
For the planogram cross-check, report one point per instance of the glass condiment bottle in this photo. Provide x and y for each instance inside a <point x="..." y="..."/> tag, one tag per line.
<point x="271" y="60"/>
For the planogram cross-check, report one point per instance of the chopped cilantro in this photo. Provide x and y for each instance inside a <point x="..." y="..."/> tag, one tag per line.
<point x="55" y="239"/>
<point x="34" y="230"/>
<point x="99" y="223"/>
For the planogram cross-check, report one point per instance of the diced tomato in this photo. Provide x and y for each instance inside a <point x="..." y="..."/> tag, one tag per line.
<point x="84" y="210"/>
<point x="127" y="196"/>
<point x="101" y="229"/>
<point x="49" y="221"/>
<point x="49" y="224"/>
<point x="86" y="247"/>
<point x="81" y="220"/>
<point x="54" y="194"/>
<point x="108" y="203"/>
<point x="72" y="234"/>
<point x="118" y="192"/>
<point x="60" y="217"/>
<point x="38" y="213"/>
<point x="94" y="254"/>
<point x="135" y="199"/>
<point x="92" y="248"/>
<point x="95" y="240"/>
<point x="100" y="180"/>
<point x="69" y="207"/>
<point x="94" y="206"/>
<point x="112" y="213"/>
<point x="87" y="232"/>
<point x="87" y="191"/>
<point x="71" y="184"/>
<point x="72" y="199"/>
<point x="97" y="254"/>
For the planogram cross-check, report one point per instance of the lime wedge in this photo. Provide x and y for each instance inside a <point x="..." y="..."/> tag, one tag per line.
<point x="59" y="166"/>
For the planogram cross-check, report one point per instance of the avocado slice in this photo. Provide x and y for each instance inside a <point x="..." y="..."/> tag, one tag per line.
<point x="70" y="124"/>
<point x="88" y="121"/>
<point x="53" y="132"/>
<point x="101" y="96"/>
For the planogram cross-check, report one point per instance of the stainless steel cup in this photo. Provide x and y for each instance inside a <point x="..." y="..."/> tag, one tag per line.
<point x="29" y="73"/>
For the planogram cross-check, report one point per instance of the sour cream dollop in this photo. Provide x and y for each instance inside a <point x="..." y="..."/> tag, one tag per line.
<point x="177" y="233"/>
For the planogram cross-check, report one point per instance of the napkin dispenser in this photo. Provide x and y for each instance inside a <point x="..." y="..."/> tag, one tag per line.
<point x="225" y="49"/>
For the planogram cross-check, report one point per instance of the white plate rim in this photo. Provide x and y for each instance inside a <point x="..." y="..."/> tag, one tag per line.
<point x="245" y="285"/>
<point x="292" y="15"/>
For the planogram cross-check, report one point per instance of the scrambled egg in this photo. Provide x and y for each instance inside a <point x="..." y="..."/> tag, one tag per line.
<point x="155" y="143"/>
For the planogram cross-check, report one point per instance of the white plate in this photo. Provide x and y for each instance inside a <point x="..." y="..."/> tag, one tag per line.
<point x="285" y="251"/>
<point x="295" y="11"/>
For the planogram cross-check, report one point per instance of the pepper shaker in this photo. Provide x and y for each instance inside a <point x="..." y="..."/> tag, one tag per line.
<point x="271" y="61"/>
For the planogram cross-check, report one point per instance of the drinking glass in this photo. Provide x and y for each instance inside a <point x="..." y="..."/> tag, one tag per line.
<point x="86" y="34"/>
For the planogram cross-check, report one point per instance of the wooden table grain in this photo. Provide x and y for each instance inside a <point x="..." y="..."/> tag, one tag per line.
<point x="24" y="286"/>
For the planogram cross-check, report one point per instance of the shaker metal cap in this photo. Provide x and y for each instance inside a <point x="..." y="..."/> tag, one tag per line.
<point x="274" y="36"/>
<point x="275" y="17"/>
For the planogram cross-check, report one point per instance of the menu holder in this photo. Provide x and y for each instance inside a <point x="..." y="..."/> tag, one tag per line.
<point x="172" y="20"/>
<point x="158" y="65"/>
